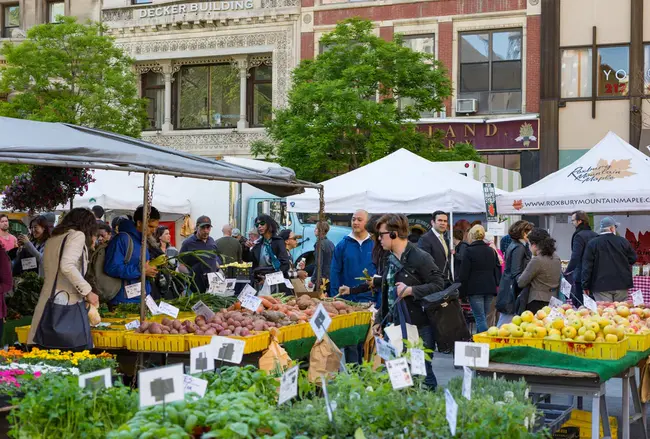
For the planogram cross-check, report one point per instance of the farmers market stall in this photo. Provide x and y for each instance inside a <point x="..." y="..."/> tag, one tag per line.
<point x="560" y="350"/>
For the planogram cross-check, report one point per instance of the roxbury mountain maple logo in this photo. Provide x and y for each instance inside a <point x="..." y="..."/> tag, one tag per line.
<point x="604" y="171"/>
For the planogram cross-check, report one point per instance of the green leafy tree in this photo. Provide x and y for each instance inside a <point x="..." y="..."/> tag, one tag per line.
<point x="343" y="112"/>
<point x="73" y="73"/>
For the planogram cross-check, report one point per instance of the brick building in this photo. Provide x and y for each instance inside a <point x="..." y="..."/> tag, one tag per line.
<point x="491" y="50"/>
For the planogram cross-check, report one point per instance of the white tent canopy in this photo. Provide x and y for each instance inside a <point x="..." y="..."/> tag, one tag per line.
<point x="399" y="182"/>
<point x="613" y="176"/>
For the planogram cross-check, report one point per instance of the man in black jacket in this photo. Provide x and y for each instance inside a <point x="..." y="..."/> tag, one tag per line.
<point x="436" y="243"/>
<point x="410" y="275"/>
<point x="607" y="264"/>
<point x="581" y="237"/>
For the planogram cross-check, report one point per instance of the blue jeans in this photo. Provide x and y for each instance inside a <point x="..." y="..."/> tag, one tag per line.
<point x="480" y="308"/>
<point x="426" y="334"/>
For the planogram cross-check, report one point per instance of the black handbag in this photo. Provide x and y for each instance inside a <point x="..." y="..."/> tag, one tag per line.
<point x="446" y="317"/>
<point x="63" y="326"/>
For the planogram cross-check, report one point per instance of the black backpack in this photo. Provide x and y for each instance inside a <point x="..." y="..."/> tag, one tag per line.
<point x="104" y="285"/>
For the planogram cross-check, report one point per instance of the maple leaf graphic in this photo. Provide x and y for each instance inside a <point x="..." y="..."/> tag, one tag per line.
<point x="518" y="204"/>
<point x="617" y="169"/>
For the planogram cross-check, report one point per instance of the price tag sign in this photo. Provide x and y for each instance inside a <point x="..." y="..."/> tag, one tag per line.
<point x="385" y="349"/>
<point x="133" y="290"/>
<point x="565" y="288"/>
<point x="227" y="349"/>
<point x="201" y="359"/>
<point x="275" y="278"/>
<point x="288" y="385"/>
<point x="230" y="284"/>
<point x="28" y="263"/>
<point x="132" y="325"/>
<point x="166" y="308"/>
<point x="590" y="304"/>
<point x="194" y="385"/>
<point x="471" y="354"/>
<point x="451" y="409"/>
<point x="637" y="298"/>
<point x="555" y="314"/>
<point x="320" y="321"/>
<point x="218" y="289"/>
<point x="555" y="303"/>
<point x="216" y="277"/>
<point x="151" y="304"/>
<point x="417" y="362"/>
<point x="467" y="382"/>
<point x="201" y="309"/>
<point x="399" y="373"/>
<point x="161" y="385"/>
<point x="97" y="380"/>
<point x="247" y="291"/>
<point x="251" y="302"/>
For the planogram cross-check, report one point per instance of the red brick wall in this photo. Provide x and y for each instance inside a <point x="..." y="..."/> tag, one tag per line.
<point x="307" y="45"/>
<point x="445" y="52"/>
<point x="533" y="48"/>
<point x="415" y="10"/>
<point x="386" y="32"/>
<point x="307" y="3"/>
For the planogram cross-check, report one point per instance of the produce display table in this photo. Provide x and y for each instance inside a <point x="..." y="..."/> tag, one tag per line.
<point x="641" y="283"/>
<point x="553" y="373"/>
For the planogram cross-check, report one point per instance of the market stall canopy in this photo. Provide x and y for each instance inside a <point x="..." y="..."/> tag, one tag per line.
<point x="121" y="191"/>
<point x="58" y="144"/>
<point x="613" y="176"/>
<point x="400" y="182"/>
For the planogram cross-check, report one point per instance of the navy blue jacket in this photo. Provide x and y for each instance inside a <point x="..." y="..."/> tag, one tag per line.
<point x="210" y="263"/>
<point x="581" y="237"/>
<point x="348" y="262"/>
<point x="114" y="265"/>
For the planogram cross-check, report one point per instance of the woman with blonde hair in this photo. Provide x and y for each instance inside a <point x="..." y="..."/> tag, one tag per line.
<point x="480" y="274"/>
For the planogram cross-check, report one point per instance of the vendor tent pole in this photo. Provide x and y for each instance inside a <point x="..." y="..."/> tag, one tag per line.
<point x="143" y="249"/>
<point x="319" y="254"/>
<point x="450" y="230"/>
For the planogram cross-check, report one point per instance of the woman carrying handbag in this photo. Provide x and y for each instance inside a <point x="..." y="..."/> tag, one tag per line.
<point x="61" y="316"/>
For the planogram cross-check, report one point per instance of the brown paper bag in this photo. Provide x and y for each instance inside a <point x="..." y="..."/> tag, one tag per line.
<point x="275" y="359"/>
<point x="644" y="385"/>
<point x="325" y="358"/>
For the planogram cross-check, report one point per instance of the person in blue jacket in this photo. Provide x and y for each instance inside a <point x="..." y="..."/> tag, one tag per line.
<point x="116" y="252"/>
<point x="351" y="256"/>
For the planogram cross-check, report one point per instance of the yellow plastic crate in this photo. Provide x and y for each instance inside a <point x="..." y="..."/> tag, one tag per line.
<point x="183" y="315"/>
<point x="504" y="342"/>
<point x="108" y="339"/>
<point x="595" y="350"/>
<point x="363" y="317"/>
<point x="582" y="420"/>
<point x="23" y="332"/>
<point x="340" y="322"/>
<point x="155" y="342"/>
<point x="637" y="342"/>
<point x="294" y="332"/>
<point x="254" y="343"/>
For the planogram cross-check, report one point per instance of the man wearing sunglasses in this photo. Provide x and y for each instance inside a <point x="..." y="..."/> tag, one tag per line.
<point x="200" y="266"/>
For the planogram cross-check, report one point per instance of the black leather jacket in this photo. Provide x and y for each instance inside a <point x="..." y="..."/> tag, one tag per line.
<point x="418" y="271"/>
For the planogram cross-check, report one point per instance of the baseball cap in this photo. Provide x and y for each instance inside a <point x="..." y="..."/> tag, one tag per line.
<point x="608" y="222"/>
<point x="203" y="220"/>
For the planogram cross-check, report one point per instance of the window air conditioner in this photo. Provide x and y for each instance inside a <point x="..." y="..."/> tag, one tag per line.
<point x="466" y="106"/>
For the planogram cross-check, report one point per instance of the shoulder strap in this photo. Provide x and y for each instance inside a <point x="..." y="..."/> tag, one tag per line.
<point x="129" y="249"/>
<point x="58" y="267"/>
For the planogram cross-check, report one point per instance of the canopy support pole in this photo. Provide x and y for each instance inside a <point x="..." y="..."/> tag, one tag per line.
<point x="450" y="230"/>
<point x="143" y="248"/>
<point x="319" y="253"/>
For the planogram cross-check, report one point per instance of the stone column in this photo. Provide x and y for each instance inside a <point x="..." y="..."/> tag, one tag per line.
<point x="167" y="70"/>
<point x="242" y="65"/>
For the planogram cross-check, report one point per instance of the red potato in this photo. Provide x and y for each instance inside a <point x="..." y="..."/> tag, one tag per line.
<point x="176" y="324"/>
<point x="225" y="332"/>
<point x="211" y="331"/>
<point x="199" y="320"/>
<point x="199" y="332"/>
<point x="182" y="331"/>
<point x="173" y="331"/>
<point x="231" y="327"/>
<point x="145" y="325"/>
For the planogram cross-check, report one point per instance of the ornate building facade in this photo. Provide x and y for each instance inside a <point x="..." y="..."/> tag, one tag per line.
<point x="211" y="71"/>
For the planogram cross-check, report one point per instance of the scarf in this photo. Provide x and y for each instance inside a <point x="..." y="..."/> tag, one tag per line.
<point x="269" y="251"/>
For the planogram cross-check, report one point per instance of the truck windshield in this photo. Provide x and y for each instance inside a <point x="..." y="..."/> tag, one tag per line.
<point x="335" y="219"/>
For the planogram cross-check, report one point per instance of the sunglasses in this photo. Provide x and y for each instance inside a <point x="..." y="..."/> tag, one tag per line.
<point x="261" y="223"/>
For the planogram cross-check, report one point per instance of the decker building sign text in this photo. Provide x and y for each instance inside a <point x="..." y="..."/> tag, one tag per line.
<point x="163" y="11"/>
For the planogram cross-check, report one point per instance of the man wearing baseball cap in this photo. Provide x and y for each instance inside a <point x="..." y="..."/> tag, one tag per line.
<point x="204" y="264"/>
<point x="607" y="264"/>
